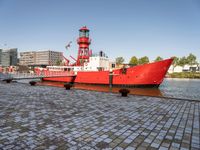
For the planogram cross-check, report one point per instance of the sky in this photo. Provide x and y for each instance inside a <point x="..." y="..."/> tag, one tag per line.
<point x="124" y="28"/>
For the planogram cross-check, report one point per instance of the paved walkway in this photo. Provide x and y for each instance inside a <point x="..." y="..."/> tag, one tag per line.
<point x="43" y="117"/>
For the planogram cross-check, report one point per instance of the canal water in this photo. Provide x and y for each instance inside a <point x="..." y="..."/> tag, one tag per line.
<point x="175" y="88"/>
<point x="181" y="88"/>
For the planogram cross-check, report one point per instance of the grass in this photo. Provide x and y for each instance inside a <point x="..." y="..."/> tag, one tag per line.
<point x="191" y="75"/>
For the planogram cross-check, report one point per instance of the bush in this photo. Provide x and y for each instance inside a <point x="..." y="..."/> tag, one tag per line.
<point x="192" y="75"/>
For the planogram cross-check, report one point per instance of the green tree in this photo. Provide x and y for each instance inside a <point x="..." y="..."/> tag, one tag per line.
<point x="143" y="60"/>
<point x="119" y="60"/>
<point x="133" y="61"/>
<point x="182" y="61"/>
<point x="158" y="59"/>
<point x="175" y="62"/>
<point x="191" y="59"/>
<point x="58" y="62"/>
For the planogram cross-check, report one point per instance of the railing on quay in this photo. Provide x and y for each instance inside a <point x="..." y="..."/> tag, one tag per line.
<point x="18" y="76"/>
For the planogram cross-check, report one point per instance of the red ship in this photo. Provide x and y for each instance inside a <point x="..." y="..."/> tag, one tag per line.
<point x="96" y="69"/>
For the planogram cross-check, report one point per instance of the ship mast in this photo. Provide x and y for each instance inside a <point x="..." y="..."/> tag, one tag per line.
<point x="83" y="41"/>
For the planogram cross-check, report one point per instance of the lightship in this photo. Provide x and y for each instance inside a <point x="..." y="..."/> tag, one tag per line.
<point x="91" y="68"/>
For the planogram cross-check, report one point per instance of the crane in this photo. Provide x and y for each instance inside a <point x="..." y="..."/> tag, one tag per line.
<point x="66" y="60"/>
<point x="72" y="58"/>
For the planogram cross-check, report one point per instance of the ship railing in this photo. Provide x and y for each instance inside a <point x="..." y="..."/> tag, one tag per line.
<point x="18" y="75"/>
<point x="55" y="74"/>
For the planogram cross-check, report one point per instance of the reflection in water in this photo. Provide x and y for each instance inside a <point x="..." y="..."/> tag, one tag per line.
<point x="136" y="91"/>
<point x="176" y="88"/>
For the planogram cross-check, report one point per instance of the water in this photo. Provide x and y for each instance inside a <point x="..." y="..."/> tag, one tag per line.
<point x="176" y="88"/>
<point x="181" y="88"/>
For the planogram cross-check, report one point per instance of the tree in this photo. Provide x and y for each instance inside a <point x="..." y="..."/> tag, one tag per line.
<point x="175" y="62"/>
<point x="158" y="59"/>
<point x="119" y="60"/>
<point x="191" y="59"/>
<point x="143" y="60"/>
<point x="133" y="61"/>
<point x="182" y="61"/>
<point x="58" y="62"/>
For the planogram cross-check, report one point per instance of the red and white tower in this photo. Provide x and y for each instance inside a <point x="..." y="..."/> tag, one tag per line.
<point x="83" y="42"/>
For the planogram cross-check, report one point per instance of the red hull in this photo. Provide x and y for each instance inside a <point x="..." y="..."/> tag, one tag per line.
<point x="69" y="79"/>
<point x="150" y="75"/>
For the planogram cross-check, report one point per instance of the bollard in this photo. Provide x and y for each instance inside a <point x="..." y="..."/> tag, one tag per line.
<point x="67" y="86"/>
<point x="32" y="83"/>
<point x="124" y="92"/>
<point x="8" y="80"/>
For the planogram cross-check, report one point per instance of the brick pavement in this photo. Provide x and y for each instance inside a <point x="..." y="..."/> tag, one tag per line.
<point x="42" y="117"/>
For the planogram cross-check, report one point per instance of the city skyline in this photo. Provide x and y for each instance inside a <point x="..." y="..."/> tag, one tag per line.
<point x="131" y="28"/>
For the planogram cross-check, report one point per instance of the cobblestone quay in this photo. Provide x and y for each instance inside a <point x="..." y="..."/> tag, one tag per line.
<point x="41" y="117"/>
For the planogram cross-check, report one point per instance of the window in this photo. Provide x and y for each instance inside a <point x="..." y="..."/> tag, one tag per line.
<point x="82" y="34"/>
<point x="87" y="34"/>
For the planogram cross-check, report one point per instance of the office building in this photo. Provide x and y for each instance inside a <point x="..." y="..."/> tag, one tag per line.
<point x="27" y="58"/>
<point x="40" y="58"/>
<point x="0" y="56"/>
<point x="9" y="57"/>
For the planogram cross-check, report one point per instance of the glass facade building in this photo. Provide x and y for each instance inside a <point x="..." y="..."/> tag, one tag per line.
<point x="9" y="57"/>
<point x="0" y="56"/>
